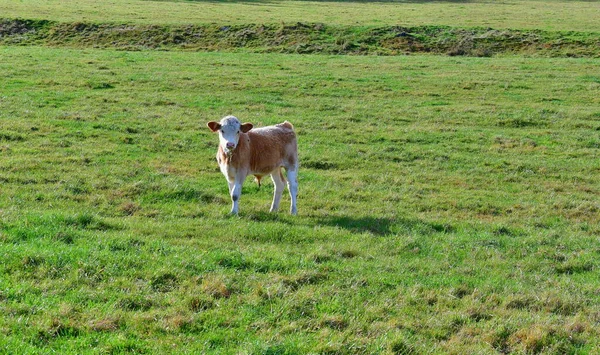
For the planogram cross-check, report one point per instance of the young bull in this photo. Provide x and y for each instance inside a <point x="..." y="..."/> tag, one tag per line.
<point x="263" y="151"/>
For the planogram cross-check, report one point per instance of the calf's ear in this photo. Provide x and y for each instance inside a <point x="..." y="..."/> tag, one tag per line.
<point x="214" y="126"/>
<point x="246" y="127"/>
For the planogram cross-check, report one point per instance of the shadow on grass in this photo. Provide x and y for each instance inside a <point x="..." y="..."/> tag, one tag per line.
<point x="379" y="226"/>
<point x="385" y="226"/>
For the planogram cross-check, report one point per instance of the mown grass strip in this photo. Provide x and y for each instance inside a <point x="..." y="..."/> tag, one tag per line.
<point x="548" y="15"/>
<point x="303" y="38"/>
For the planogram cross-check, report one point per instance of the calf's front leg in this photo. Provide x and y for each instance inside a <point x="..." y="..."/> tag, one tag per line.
<point x="236" y="193"/>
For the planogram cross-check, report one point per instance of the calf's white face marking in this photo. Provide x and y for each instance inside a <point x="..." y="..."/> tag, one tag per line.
<point x="229" y="132"/>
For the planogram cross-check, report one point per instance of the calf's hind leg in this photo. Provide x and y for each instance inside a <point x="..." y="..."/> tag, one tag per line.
<point x="292" y="176"/>
<point x="279" y="182"/>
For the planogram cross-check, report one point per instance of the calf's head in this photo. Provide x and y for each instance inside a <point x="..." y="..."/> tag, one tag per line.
<point x="229" y="132"/>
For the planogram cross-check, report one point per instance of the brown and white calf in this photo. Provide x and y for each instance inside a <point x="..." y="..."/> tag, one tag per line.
<point x="262" y="151"/>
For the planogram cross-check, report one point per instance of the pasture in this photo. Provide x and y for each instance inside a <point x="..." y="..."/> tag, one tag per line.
<point x="447" y="205"/>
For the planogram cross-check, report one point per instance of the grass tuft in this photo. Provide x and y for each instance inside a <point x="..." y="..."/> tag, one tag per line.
<point x="135" y="303"/>
<point x="164" y="282"/>
<point x="400" y="347"/>
<point x="216" y="287"/>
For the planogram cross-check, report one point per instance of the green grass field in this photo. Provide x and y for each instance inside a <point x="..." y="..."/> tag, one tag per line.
<point x="448" y="205"/>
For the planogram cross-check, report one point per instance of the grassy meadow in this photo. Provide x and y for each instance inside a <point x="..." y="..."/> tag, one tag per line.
<point x="447" y="205"/>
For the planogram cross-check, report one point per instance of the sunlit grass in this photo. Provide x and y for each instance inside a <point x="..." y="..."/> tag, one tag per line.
<point x="447" y="205"/>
